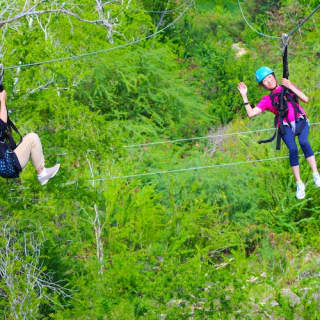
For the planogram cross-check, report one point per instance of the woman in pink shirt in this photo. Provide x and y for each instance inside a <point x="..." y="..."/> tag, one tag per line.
<point x="266" y="78"/>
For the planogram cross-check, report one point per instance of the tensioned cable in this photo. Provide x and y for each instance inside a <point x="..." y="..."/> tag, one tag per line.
<point x="303" y="21"/>
<point x="276" y="37"/>
<point x="194" y="138"/>
<point x="204" y="137"/>
<point x="103" y="50"/>
<point x="252" y="28"/>
<point x="184" y="169"/>
<point x="178" y="170"/>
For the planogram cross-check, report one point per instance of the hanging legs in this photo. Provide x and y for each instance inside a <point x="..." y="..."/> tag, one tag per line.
<point x="31" y="147"/>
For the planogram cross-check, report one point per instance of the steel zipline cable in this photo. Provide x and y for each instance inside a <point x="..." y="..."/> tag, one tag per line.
<point x="303" y="21"/>
<point x="299" y="25"/>
<point x="87" y="54"/>
<point x="204" y="137"/>
<point x="252" y="28"/>
<point x="219" y="165"/>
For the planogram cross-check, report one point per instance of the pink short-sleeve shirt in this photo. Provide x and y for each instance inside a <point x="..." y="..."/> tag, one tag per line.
<point x="266" y="104"/>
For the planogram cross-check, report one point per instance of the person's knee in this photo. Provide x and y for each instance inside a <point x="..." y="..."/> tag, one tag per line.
<point x="306" y="148"/>
<point x="293" y="155"/>
<point x="293" y="150"/>
<point x="32" y="137"/>
<point x="304" y="145"/>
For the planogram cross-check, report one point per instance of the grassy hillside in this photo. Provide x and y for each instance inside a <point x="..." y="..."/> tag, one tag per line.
<point x="229" y="242"/>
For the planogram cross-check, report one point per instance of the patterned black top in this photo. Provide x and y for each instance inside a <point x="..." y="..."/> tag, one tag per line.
<point x="9" y="163"/>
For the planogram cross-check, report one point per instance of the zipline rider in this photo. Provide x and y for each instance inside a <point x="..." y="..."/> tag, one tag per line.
<point x="14" y="158"/>
<point x="291" y="124"/>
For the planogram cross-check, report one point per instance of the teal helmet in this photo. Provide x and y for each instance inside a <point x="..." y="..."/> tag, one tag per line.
<point x="263" y="72"/>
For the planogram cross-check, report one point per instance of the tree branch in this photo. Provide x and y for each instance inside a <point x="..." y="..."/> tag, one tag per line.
<point x="104" y="18"/>
<point x="63" y="11"/>
<point x="23" y="282"/>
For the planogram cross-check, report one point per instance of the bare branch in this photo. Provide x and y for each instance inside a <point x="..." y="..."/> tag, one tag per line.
<point x="28" y="13"/>
<point x="106" y="21"/>
<point x="98" y="230"/>
<point x="91" y="170"/>
<point x="31" y="13"/>
<point x="162" y="17"/>
<point x="15" y="84"/>
<point x="44" y="28"/>
<point x="42" y="87"/>
<point x="24" y="283"/>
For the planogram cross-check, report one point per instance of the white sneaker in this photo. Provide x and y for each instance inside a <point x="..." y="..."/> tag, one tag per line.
<point x="50" y="173"/>
<point x="300" y="190"/>
<point x="316" y="179"/>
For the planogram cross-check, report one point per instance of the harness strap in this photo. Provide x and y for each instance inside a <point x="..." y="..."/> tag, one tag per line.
<point x="7" y="138"/>
<point x="278" y="145"/>
<point x="270" y="139"/>
<point x="12" y="125"/>
<point x="275" y="132"/>
<point x="283" y="103"/>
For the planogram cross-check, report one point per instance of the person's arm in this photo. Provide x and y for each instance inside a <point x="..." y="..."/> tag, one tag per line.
<point x="3" y="108"/>
<point x="287" y="83"/>
<point x="252" y="112"/>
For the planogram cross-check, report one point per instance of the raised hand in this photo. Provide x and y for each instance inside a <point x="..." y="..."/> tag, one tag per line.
<point x="242" y="88"/>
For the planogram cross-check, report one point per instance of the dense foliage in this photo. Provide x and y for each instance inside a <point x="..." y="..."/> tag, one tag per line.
<point x="215" y="243"/>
